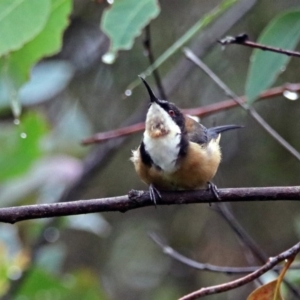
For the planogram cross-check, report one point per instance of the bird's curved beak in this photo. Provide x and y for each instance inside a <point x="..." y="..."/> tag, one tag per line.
<point x="153" y="98"/>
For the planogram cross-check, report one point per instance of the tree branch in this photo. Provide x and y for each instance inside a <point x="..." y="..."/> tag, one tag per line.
<point x="243" y="39"/>
<point x="138" y="199"/>
<point x="273" y="261"/>
<point x="205" y="266"/>
<point x="197" y="111"/>
<point x="253" y="113"/>
<point x="249" y="242"/>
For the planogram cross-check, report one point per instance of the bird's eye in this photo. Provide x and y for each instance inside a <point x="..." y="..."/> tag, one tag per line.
<point x="171" y="113"/>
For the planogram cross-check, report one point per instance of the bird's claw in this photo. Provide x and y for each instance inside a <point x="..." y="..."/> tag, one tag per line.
<point x="154" y="194"/>
<point x="213" y="188"/>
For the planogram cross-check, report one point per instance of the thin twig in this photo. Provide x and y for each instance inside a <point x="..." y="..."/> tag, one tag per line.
<point x="273" y="261"/>
<point x="204" y="266"/>
<point x="192" y="57"/>
<point x="149" y="53"/>
<point x="138" y="199"/>
<point x="205" y="41"/>
<point x="258" y="252"/>
<point x="224" y="211"/>
<point x="243" y="40"/>
<point x="197" y="111"/>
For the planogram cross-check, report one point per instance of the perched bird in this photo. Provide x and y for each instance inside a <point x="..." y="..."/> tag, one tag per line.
<point x="176" y="152"/>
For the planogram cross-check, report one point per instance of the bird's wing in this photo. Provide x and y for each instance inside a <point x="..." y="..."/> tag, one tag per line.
<point x="199" y="134"/>
<point x="196" y="132"/>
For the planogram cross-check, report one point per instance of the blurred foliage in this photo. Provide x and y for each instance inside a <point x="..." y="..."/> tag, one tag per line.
<point x="43" y="41"/>
<point x="82" y="284"/>
<point x="283" y="32"/>
<point x="18" y="28"/>
<point x="179" y="43"/>
<point x="132" y="16"/>
<point x="73" y="93"/>
<point x="21" y="145"/>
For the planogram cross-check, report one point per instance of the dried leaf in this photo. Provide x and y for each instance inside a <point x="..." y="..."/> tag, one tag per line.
<point x="266" y="292"/>
<point x="271" y="290"/>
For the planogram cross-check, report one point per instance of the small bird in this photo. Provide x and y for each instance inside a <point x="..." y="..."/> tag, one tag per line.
<point x="176" y="152"/>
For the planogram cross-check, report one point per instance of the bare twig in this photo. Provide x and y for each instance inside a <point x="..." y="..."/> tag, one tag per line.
<point x="243" y="40"/>
<point x="137" y="199"/>
<point x="191" y="56"/>
<point x="204" y="42"/>
<point x="247" y="240"/>
<point x="273" y="261"/>
<point x="198" y="111"/>
<point x="204" y="266"/>
<point x="149" y="53"/>
<point x="225" y="212"/>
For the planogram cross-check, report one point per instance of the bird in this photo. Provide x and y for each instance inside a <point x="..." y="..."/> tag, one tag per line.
<point x="176" y="151"/>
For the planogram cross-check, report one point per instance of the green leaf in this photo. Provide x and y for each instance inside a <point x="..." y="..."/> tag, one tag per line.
<point x="42" y="285"/>
<point x="283" y="32"/>
<point x="72" y="127"/>
<point x="16" y="67"/>
<point x="125" y="19"/>
<point x="82" y="284"/>
<point x="20" y="145"/>
<point x="20" y="21"/>
<point x="86" y="286"/>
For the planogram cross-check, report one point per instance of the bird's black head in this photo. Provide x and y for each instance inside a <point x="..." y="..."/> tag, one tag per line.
<point x="172" y="110"/>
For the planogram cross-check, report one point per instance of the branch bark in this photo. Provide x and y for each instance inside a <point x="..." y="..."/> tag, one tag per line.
<point x="243" y="40"/>
<point x="253" y="113"/>
<point x="138" y="199"/>
<point x="168" y="250"/>
<point x="273" y="261"/>
<point x="202" y="111"/>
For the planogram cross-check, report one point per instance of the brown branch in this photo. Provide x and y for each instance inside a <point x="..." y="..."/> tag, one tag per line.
<point x="243" y="40"/>
<point x="138" y="199"/>
<point x="248" y="241"/>
<point x="205" y="266"/>
<point x="273" y="261"/>
<point x="253" y="113"/>
<point x="198" y="111"/>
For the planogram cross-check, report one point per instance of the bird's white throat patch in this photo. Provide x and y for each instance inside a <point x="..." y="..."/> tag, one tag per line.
<point x="162" y="138"/>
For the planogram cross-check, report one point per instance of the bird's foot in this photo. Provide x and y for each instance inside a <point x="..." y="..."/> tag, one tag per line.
<point x="213" y="188"/>
<point x="154" y="194"/>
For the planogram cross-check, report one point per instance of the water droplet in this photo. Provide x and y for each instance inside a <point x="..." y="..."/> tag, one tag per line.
<point x="51" y="234"/>
<point x="23" y="135"/>
<point x="282" y="69"/>
<point x="109" y="58"/>
<point x="252" y="59"/>
<point x="14" y="273"/>
<point x="110" y="1"/>
<point x="17" y="121"/>
<point x="128" y="93"/>
<point x="291" y="95"/>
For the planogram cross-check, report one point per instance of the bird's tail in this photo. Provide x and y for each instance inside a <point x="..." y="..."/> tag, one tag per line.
<point x="215" y="131"/>
<point x="220" y="129"/>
